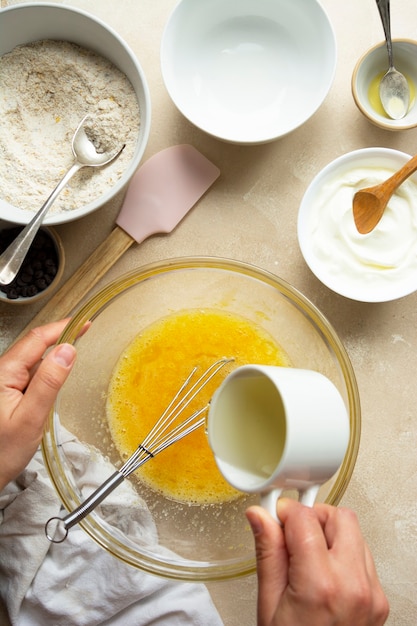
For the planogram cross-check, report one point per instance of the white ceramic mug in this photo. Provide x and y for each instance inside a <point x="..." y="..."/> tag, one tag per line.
<point x="277" y="428"/>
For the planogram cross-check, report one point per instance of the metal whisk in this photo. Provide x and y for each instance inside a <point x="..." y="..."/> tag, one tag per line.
<point x="162" y="435"/>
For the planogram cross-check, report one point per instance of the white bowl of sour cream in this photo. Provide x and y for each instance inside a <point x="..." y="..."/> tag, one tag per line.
<point x="379" y="266"/>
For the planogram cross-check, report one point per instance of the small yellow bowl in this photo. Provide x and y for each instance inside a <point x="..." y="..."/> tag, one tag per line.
<point x="366" y="76"/>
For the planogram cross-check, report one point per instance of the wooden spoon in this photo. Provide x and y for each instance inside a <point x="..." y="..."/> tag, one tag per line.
<point x="369" y="204"/>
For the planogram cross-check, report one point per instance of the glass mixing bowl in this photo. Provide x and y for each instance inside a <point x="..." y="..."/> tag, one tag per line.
<point x="186" y="541"/>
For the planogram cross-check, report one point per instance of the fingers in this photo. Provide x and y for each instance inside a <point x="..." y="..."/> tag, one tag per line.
<point x="31" y="374"/>
<point x="330" y="563"/>
<point x="344" y="538"/>
<point x="381" y="604"/>
<point x="43" y="388"/>
<point x="303" y="532"/>
<point x="41" y="336"/>
<point x="22" y="419"/>
<point x="342" y="531"/>
<point x="21" y="357"/>
<point x="316" y="569"/>
<point x="272" y="561"/>
<point x="322" y="531"/>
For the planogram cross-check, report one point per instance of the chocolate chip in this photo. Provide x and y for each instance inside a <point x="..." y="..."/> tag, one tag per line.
<point x="39" y="269"/>
<point x="32" y="291"/>
<point x="26" y="277"/>
<point x="41" y="284"/>
<point x="12" y="294"/>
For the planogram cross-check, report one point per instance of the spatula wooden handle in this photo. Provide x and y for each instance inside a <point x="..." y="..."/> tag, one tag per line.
<point x="86" y="276"/>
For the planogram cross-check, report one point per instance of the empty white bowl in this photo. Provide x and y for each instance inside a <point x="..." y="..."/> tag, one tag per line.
<point x="365" y="79"/>
<point x="379" y="266"/>
<point x="248" y="71"/>
<point x="25" y="23"/>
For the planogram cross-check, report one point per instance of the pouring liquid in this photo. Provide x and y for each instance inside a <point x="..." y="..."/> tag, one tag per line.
<point x="250" y="436"/>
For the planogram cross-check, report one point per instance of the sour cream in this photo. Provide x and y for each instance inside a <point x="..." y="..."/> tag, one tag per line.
<point x="377" y="266"/>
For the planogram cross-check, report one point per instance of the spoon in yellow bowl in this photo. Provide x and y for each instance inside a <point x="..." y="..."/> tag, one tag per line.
<point x="394" y="91"/>
<point x="370" y="203"/>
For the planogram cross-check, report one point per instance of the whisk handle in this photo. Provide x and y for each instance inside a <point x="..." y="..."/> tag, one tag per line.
<point x="93" y="500"/>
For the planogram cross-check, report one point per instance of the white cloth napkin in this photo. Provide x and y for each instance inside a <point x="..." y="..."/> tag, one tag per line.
<point x="77" y="583"/>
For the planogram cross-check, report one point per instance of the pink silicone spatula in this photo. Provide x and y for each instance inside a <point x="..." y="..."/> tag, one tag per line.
<point x="160" y="194"/>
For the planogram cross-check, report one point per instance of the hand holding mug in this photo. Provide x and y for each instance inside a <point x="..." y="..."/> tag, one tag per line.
<point x="316" y="570"/>
<point x="278" y="428"/>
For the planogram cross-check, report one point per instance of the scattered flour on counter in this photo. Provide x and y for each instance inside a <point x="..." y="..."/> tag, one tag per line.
<point x="46" y="88"/>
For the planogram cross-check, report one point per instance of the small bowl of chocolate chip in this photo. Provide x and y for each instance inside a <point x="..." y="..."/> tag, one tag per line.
<point x="41" y="270"/>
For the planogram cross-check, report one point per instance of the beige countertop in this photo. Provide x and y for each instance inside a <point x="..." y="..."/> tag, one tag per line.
<point x="250" y="214"/>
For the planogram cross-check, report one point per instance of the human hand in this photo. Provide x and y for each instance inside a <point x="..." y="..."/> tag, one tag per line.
<point x="315" y="569"/>
<point x="28" y="388"/>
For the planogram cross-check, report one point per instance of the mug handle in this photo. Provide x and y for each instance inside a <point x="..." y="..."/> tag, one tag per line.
<point x="308" y="496"/>
<point x="269" y="502"/>
<point x="269" y="499"/>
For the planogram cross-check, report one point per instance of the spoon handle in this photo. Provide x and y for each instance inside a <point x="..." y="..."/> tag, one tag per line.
<point x="399" y="177"/>
<point x="384" y="12"/>
<point x="12" y="258"/>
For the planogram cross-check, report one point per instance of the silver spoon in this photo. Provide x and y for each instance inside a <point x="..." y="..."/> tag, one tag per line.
<point x="393" y="88"/>
<point x="85" y="155"/>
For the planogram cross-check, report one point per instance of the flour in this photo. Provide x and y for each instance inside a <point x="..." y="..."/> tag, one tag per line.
<point x="46" y="88"/>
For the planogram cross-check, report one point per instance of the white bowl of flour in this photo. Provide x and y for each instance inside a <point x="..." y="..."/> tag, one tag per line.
<point x="56" y="65"/>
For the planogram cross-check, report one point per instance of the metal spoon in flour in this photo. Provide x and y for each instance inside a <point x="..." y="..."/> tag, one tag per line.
<point x="86" y="155"/>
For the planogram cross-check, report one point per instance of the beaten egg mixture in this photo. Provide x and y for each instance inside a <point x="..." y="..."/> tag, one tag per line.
<point x="150" y="372"/>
